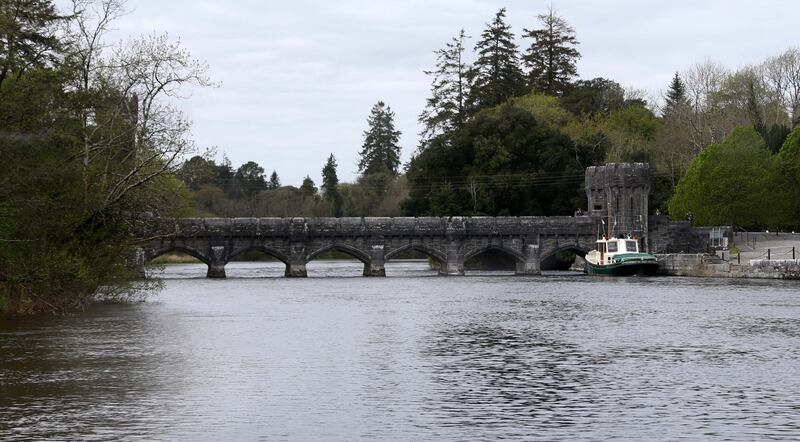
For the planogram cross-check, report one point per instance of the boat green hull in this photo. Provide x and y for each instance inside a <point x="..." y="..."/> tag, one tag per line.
<point x="644" y="268"/>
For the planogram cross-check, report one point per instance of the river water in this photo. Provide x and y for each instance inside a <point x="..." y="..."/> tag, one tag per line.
<point x="411" y="357"/>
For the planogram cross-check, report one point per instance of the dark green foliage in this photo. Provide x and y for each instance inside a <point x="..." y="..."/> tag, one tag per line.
<point x="380" y="152"/>
<point x="495" y="75"/>
<point x="330" y="187"/>
<point x="774" y="136"/>
<point x="675" y="100"/>
<point x="598" y="95"/>
<point x="551" y="58"/>
<point x="60" y="240"/>
<point x="308" y="187"/>
<point x="28" y="36"/>
<point x="250" y="179"/>
<point x="789" y="169"/>
<point x="82" y="164"/>
<point x="445" y="110"/>
<point x="274" y="181"/>
<point x="733" y="183"/>
<point x="501" y="163"/>
<point x="198" y="171"/>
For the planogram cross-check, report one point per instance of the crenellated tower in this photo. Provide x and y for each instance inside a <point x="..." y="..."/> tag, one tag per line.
<point x="619" y="192"/>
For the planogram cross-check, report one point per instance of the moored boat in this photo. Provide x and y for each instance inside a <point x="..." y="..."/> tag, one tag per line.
<point x="620" y="257"/>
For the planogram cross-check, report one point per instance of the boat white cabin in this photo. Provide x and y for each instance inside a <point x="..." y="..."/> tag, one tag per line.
<point x="607" y="249"/>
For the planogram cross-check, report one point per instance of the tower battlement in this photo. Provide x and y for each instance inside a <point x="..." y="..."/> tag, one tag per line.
<point x="618" y="194"/>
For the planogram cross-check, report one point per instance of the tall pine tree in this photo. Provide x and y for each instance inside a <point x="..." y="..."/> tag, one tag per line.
<point x="28" y="35"/>
<point x="496" y="75"/>
<point x="330" y="187"/>
<point x="551" y="59"/>
<point x="380" y="151"/>
<point x="274" y="181"/>
<point x="445" y="109"/>
<point x="676" y="97"/>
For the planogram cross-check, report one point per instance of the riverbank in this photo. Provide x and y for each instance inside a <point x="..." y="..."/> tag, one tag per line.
<point x="712" y="266"/>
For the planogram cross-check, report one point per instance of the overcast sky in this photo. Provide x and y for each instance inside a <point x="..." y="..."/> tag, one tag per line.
<point x="298" y="78"/>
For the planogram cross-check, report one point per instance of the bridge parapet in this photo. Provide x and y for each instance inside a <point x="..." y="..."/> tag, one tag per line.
<point x="448" y="240"/>
<point x="350" y="227"/>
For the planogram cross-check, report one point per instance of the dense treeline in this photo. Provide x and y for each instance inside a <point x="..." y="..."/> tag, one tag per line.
<point x="219" y="190"/>
<point x="511" y="133"/>
<point x="88" y="138"/>
<point x="91" y="144"/>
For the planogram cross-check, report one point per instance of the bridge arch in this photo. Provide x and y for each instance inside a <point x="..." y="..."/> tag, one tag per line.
<point x="345" y="248"/>
<point x="155" y="253"/>
<point x="261" y="249"/>
<point x="518" y="257"/>
<point x="430" y="252"/>
<point x="551" y="261"/>
<point x="577" y="249"/>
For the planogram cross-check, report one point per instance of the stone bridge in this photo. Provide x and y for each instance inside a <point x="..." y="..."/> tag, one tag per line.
<point x="449" y="241"/>
<point x="617" y="197"/>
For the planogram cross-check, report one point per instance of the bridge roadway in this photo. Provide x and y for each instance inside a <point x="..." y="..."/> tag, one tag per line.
<point x="450" y="241"/>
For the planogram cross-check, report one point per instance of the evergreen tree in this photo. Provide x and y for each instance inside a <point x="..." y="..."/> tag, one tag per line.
<point x="226" y="177"/>
<point x="274" y="181"/>
<point x="676" y="96"/>
<point x="551" y="58"/>
<point x="330" y="187"/>
<point x="445" y="109"/>
<point x="496" y="75"/>
<point x="380" y="151"/>
<point x="28" y="36"/>
<point x="308" y="188"/>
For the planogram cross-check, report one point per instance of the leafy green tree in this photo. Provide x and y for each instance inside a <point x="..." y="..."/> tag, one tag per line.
<point x="789" y="167"/>
<point x="380" y="151"/>
<point x="274" y="181"/>
<point x="734" y="182"/>
<point x="445" y="110"/>
<point x="631" y="130"/>
<point x="598" y="95"/>
<point x="503" y="162"/>
<point x="545" y="109"/>
<point x="551" y="58"/>
<point x="330" y="187"/>
<point x="197" y="172"/>
<point x="250" y="179"/>
<point x="496" y="75"/>
<point x="89" y="143"/>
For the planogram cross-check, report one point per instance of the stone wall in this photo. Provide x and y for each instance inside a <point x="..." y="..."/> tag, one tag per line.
<point x="698" y="264"/>
<point x="620" y="191"/>
<point x="451" y="241"/>
<point x="667" y="236"/>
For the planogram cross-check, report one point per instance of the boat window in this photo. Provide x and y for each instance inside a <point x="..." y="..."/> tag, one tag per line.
<point x="612" y="247"/>
<point x="630" y="246"/>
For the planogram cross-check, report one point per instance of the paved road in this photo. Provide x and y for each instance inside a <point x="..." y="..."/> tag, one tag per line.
<point x="754" y="245"/>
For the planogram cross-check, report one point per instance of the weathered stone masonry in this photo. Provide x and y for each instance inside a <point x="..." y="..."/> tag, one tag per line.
<point x="618" y="191"/>
<point x="451" y="241"/>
